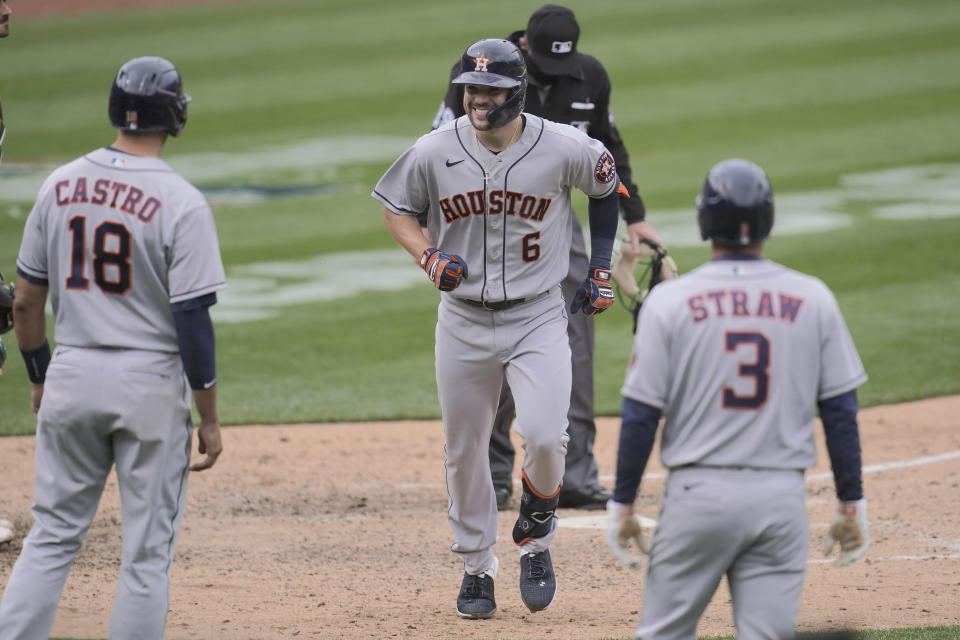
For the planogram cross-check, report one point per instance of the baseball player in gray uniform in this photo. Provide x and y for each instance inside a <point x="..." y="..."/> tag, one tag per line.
<point x="128" y="252"/>
<point x="571" y="87"/>
<point x="495" y="185"/>
<point x="737" y="353"/>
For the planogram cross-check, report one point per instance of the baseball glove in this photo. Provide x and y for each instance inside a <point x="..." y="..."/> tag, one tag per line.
<point x="6" y="305"/>
<point x="630" y="287"/>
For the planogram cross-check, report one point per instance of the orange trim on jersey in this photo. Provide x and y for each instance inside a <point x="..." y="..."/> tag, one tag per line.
<point x="622" y="190"/>
<point x="534" y="491"/>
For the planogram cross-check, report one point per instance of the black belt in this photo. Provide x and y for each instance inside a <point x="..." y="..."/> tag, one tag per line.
<point x="500" y="305"/>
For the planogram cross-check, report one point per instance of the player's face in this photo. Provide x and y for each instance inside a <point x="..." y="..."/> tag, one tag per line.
<point x="5" y="12"/>
<point x="479" y="99"/>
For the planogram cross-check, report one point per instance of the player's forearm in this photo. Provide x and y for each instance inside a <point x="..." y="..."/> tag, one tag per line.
<point x="602" y="213"/>
<point x="637" y="433"/>
<point x="29" y="316"/>
<point x="839" y="417"/>
<point x="206" y="401"/>
<point x="196" y="340"/>
<point x="406" y="231"/>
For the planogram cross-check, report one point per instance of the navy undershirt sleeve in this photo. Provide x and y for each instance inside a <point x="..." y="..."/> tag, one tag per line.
<point x="196" y="340"/>
<point x="839" y="416"/>
<point x="637" y="433"/>
<point x="604" y="216"/>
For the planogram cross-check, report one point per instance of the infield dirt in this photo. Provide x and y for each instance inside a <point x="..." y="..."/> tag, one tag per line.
<point x="340" y="531"/>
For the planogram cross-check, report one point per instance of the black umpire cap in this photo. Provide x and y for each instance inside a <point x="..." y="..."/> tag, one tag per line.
<point x="552" y="34"/>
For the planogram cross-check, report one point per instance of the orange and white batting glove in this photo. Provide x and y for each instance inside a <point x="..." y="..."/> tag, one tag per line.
<point x="849" y="528"/>
<point x="595" y="295"/>
<point x="444" y="270"/>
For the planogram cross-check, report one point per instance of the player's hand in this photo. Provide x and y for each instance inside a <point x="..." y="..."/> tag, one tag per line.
<point x="36" y="396"/>
<point x="624" y="534"/>
<point x="849" y="528"/>
<point x="208" y="437"/>
<point x="444" y="270"/>
<point x="642" y="230"/>
<point x="595" y="294"/>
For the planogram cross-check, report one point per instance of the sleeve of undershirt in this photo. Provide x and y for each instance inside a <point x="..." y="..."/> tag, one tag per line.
<point x="196" y="340"/>
<point x="637" y="433"/>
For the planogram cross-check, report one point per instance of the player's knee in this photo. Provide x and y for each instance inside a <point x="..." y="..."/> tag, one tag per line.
<point x="542" y="443"/>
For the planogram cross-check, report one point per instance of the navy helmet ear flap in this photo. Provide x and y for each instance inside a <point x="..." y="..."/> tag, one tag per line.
<point x="511" y="108"/>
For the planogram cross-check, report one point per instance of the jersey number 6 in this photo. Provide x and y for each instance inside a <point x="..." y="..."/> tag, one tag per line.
<point x="758" y="370"/>
<point x="115" y="281"/>
<point x="531" y="250"/>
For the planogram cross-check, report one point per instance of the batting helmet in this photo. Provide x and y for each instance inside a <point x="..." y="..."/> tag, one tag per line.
<point x="736" y="206"/>
<point x="496" y="63"/>
<point x="147" y="95"/>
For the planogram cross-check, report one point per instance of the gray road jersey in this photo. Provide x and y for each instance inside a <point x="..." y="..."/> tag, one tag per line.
<point x="737" y="352"/>
<point x="119" y="238"/>
<point x="514" y="230"/>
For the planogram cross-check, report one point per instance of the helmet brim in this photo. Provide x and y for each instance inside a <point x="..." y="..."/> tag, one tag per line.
<point x="487" y="79"/>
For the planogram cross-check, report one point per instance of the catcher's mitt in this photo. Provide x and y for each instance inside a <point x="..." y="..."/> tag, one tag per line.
<point x="632" y="287"/>
<point x="6" y="305"/>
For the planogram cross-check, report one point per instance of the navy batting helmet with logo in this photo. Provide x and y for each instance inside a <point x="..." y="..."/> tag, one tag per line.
<point x="736" y="206"/>
<point x="147" y="95"/>
<point x="496" y="63"/>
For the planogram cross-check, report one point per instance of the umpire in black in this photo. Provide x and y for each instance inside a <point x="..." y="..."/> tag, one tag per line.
<point x="573" y="88"/>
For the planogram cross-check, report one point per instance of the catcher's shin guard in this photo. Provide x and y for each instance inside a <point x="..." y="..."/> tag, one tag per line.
<point x="536" y="513"/>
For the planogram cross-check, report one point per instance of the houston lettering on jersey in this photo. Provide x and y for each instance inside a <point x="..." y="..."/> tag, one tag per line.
<point x="110" y="193"/>
<point x="737" y="303"/>
<point x="509" y="203"/>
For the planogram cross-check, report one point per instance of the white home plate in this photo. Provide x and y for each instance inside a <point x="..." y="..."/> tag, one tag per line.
<point x="598" y="522"/>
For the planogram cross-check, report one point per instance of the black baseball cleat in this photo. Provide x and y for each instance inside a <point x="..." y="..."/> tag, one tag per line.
<point x="538" y="582"/>
<point x="503" y="498"/>
<point x="476" y="597"/>
<point x="590" y="498"/>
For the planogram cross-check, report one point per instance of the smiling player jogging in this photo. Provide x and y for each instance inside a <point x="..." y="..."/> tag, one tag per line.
<point x="495" y="188"/>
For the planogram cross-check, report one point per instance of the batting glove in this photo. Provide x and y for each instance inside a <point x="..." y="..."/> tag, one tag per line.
<point x="6" y="531"/>
<point x="849" y="528"/>
<point x="444" y="270"/>
<point x="595" y="294"/>
<point x="624" y="534"/>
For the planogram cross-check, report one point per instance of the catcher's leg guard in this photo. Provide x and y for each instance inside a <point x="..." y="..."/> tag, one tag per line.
<point x="536" y="513"/>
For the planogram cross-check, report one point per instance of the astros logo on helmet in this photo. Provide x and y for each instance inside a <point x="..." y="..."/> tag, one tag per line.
<point x="481" y="62"/>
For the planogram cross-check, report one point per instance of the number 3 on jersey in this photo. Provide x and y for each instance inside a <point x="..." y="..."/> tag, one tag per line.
<point x="111" y="256"/>
<point x="758" y="369"/>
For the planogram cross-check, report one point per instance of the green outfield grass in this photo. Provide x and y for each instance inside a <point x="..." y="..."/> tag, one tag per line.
<point x="308" y="102"/>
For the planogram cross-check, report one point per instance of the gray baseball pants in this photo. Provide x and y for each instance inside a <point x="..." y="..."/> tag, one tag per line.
<point x="581" y="467"/>
<point x="105" y="407"/>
